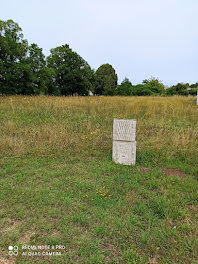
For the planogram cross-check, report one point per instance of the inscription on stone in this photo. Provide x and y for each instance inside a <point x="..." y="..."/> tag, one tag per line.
<point x="124" y="144"/>
<point x="124" y="130"/>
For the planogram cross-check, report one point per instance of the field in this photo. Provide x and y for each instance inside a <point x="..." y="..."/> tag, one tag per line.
<point x="59" y="186"/>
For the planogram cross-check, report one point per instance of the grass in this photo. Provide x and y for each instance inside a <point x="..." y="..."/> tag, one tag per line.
<point x="59" y="186"/>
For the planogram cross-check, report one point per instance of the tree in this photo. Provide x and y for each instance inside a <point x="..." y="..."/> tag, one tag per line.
<point x="105" y="80"/>
<point x="22" y="67"/>
<point x="125" y="88"/>
<point x="70" y="73"/>
<point x="171" y="91"/>
<point x="33" y="79"/>
<point x="141" y="90"/>
<point x="193" y="91"/>
<point x="179" y="88"/>
<point x="13" y="48"/>
<point x="195" y="85"/>
<point x="154" y="85"/>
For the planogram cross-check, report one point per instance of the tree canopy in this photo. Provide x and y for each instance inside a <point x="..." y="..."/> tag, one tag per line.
<point x="71" y="73"/>
<point x="24" y="69"/>
<point x="13" y="49"/>
<point x="125" y="88"/>
<point x="105" y="80"/>
<point x="21" y="66"/>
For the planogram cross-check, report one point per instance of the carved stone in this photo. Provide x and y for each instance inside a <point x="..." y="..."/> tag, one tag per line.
<point x="124" y="144"/>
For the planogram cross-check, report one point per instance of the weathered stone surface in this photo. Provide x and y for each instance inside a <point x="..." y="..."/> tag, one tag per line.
<point x="124" y="144"/>
<point x="124" y="152"/>
<point x="124" y="130"/>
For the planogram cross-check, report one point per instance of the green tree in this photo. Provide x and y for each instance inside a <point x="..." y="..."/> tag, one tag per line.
<point x="154" y="85"/>
<point x="13" y="49"/>
<point x="70" y="73"/>
<point x="180" y="89"/>
<point x="22" y="67"/>
<point x="195" y="85"/>
<point x="125" y="88"/>
<point x="33" y="79"/>
<point x="105" y="80"/>
<point x="193" y="91"/>
<point x="141" y="90"/>
<point x="171" y="91"/>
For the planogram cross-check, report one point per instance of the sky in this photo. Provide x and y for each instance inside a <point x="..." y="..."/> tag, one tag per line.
<point x="139" y="38"/>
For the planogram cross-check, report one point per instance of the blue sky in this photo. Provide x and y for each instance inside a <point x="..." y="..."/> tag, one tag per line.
<point x="140" y="38"/>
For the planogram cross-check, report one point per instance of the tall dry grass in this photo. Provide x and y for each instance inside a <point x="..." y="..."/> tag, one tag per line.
<point x="167" y="127"/>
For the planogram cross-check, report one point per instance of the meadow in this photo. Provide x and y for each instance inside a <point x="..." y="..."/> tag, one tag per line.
<point x="59" y="186"/>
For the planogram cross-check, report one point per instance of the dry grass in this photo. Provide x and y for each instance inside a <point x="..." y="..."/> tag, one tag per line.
<point x="44" y="125"/>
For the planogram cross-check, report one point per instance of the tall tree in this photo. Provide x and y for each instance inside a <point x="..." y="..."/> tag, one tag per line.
<point x="33" y="72"/>
<point x="22" y="67"/>
<point x="71" y="74"/>
<point x="106" y="80"/>
<point x="125" y="88"/>
<point x="13" y="48"/>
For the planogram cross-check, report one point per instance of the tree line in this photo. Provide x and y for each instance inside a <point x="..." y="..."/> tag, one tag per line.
<point x="25" y="70"/>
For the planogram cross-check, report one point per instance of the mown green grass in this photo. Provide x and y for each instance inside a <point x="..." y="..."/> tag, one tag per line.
<point x="59" y="186"/>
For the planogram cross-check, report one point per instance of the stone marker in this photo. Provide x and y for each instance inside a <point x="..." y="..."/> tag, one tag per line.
<point x="124" y="144"/>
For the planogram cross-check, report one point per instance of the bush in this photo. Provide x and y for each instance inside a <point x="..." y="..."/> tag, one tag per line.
<point x="125" y="88"/>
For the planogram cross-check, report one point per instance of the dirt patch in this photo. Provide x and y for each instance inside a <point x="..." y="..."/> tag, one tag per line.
<point x="174" y="172"/>
<point x="153" y="260"/>
<point x="115" y="252"/>
<point x="25" y="239"/>
<point x="145" y="170"/>
<point x="13" y="226"/>
<point x="55" y="233"/>
<point x="7" y="261"/>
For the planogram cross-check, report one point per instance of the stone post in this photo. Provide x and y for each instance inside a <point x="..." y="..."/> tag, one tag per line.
<point x="124" y="144"/>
